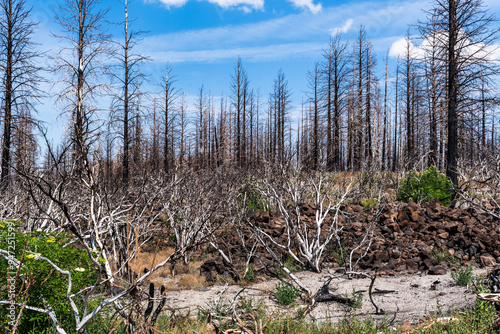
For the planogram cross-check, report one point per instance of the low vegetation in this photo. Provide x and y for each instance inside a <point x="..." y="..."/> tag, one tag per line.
<point x="423" y="186"/>
<point x="463" y="276"/>
<point x="285" y="293"/>
<point x="476" y="319"/>
<point x="37" y="282"/>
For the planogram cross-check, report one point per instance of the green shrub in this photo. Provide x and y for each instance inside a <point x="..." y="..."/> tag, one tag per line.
<point x="463" y="276"/>
<point x="47" y="283"/>
<point x="250" y="274"/>
<point x="482" y="306"/>
<point x="251" y="197"/>
<point x="424" y="186"/>
<point x="285" y="293"/>
<point x="369" y="203"/>
<point x="443" y="257"/>
<point x="340" y="256"/>
<point x="356" y="299"/>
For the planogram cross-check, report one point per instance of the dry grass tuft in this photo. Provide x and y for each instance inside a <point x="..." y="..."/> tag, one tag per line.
<point x="190" y="281"/>
<point x="144" y="260"/>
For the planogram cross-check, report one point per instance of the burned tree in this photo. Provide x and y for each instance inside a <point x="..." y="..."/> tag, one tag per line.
<point x="79" y="61"/>
<point x="21" y="74"/>
<point x="169" y="96"/>
<point x="464" y="26"/>
<point x="128" y="78"/>
<point x="334" y="76"/>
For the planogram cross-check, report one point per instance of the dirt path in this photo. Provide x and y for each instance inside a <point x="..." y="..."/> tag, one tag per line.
<point x="414" y="296"/>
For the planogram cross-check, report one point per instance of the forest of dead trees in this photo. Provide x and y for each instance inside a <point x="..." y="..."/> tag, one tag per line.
<point x="436" y="107"/>
<point x="151" y="166"/>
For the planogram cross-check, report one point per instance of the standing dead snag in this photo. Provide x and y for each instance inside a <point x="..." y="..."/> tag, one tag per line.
<point x="80" y="63"/>
<point x="20" y="76"/>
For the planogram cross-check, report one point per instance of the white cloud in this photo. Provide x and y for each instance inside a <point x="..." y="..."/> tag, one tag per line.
<point x="345" y="28"/>
<point x="173" y="3"/>
<point x="400" y="48"/>
<point x="309" y="4"/>
<point x="253" y="54"/>
<point x="468" y="49"/>
<point x="243" y="4"/>
<point x="496" y="52"/>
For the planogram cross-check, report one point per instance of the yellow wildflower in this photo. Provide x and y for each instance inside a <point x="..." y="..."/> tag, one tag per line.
<point x="33" y="256"/>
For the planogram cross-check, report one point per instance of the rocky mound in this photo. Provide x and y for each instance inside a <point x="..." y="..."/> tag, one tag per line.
<point x="409" y="236"/>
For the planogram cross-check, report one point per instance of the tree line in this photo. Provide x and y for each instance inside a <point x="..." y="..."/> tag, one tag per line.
<point x="435" y="108"/>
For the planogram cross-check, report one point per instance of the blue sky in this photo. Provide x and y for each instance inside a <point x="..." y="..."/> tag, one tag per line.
<point x="202" y="39"/>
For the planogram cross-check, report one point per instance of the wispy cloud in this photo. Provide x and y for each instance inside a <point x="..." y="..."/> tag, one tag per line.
<point x="380" y="20"/>
<point x="251" y="54"/>
<point x="345" y="28"/>
<point x="173" y="3"/>
<point x="245" y="5"/>
<point x="307" y="4"/>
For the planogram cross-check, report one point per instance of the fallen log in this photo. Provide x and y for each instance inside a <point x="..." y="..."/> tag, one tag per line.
<point x="324" y="295"/>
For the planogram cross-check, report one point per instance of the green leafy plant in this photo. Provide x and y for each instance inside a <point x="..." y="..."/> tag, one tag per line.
<point x="443" y="257"/>
<point x="250" y="274"/>
<point x="251" y="197"/>
<point x="483" y="306"/>
<point x="424" y="186"/>
<point x="340" y="256"/>
<point x="355" y="300"/>
<point x="285" y="293"/>
<point x="463" y="276"/>
<point x="45" y="282"/>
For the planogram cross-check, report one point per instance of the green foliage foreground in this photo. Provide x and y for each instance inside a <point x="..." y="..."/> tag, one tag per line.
<point x="474" y="320"/>
<point x="45" y="283"/>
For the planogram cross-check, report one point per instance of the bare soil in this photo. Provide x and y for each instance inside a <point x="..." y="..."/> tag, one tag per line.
<point x="414" y="296"/>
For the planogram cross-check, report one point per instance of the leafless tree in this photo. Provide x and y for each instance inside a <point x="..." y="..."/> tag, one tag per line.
<point x="128" y="76"/>
<point x="21" y="74"/>
<point x="239" y="88"/>
<point x="81" y="65"/>
<point x="335" y="76"/>
<point x="169" y="96"/>
<point x="465" y="26"/>
<point x="314" y="102"/>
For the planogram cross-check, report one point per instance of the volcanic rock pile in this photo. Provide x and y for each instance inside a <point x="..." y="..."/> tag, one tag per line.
<point x="410" y="237"/>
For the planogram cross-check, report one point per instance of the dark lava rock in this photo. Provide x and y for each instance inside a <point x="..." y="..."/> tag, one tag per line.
<point x="437" y="270"/>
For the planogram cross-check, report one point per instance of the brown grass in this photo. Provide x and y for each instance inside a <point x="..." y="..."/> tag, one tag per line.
<point x="190" y="281"/>
<point x="145" y="260"/>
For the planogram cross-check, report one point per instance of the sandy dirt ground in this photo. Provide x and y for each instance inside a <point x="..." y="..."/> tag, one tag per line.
<point x="414" y="296"/>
